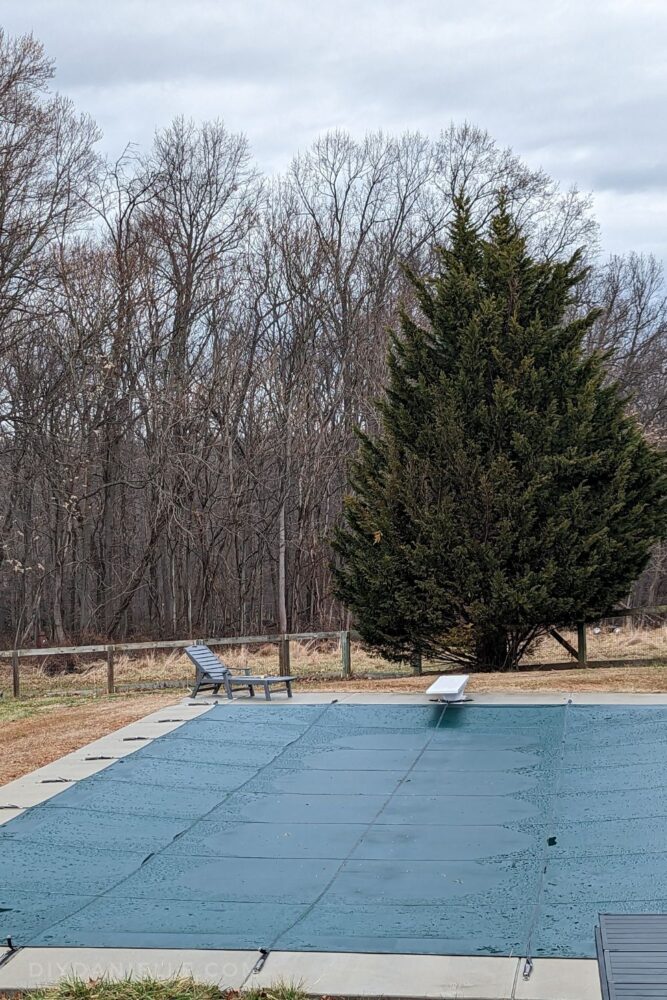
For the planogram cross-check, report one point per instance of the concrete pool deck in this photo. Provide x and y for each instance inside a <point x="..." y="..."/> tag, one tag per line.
<point x="401" y="698"/>
<point x="331" y="973"/>
<point x="317" y="973"/>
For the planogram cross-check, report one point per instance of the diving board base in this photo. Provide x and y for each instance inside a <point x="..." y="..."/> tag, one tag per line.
<point x="449" y="687"/>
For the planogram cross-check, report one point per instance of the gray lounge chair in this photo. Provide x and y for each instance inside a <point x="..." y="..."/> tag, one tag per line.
<point x="212" y="674"/>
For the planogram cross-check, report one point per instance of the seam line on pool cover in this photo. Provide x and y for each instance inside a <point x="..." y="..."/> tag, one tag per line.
<point x="367" y="828"/>
<point x="550" y="820"/>
<point x="187" y="829"/>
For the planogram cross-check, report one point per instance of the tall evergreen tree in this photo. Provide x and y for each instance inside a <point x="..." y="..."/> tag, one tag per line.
<point x="508" y="489"/>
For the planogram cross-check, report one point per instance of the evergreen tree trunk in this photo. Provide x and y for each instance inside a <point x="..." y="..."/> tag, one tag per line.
<point x="416" y="662"/>
<point x="491" y="650"/>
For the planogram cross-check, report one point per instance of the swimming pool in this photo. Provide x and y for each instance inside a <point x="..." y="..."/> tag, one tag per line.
<point x="466" y="830"/>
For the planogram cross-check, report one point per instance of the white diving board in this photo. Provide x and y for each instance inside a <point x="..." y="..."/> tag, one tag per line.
<point x="449" y="687"/>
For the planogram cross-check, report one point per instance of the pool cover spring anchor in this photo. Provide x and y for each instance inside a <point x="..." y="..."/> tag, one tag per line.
<point x="527" y="968"/>
<point x="261" y="961"/>
<point x="11" y="951"/>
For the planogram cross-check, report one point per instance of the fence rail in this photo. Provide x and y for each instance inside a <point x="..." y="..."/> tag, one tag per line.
<point x="241" y="640"/>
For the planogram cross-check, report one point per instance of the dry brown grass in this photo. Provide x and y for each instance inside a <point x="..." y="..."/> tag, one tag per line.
<point x="45" y="731"/>
<point x="617" y="640"/>
<point x="629" y="678"/>
<point x="308" y="660"/>
<point x="625" y="679"/>
<point x="312" y="663"/>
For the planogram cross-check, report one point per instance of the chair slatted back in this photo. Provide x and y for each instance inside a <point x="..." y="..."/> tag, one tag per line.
<point x="207" y="663"/>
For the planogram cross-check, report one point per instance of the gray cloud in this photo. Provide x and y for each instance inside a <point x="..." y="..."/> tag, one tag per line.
<point x="578" y="88"/>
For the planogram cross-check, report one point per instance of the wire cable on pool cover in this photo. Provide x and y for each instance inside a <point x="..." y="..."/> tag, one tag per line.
<point x="368" y="827"/>
<point x="550" y="841"/>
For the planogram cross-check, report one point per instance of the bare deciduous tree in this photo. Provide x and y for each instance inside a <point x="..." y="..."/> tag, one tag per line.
<point x="186" y="351"/>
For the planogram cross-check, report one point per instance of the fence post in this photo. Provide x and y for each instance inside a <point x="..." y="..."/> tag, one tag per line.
<point x="416" y="662"/>
<point x="16" y="683"/>
<point x="582" y="655"/>
<point x="110" y="677"/>
<point x="346" y="655"/>
<point x="283" y="656"/>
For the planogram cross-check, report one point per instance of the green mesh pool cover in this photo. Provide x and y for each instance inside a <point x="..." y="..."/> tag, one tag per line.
<point x="466" y="830"/>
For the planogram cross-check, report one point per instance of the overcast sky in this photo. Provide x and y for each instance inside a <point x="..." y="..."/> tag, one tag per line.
<point x="577" y="86"/>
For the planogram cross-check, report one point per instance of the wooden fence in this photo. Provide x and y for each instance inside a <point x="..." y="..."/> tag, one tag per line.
<point x="108" y="651"/>
<point x="578" y="653"/>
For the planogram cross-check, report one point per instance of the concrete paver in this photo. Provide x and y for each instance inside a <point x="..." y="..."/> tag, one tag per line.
<point x="24" y="793"/>
<point x="358" y="975"/>
<point x="46" y="782"/>
<point x="520" y="698"/>
<point x="389" y="698"/>
<point x="178" y="711"/>
<point x="110" y="746"/>
<point x="374" y="698"/>
<point x="299" y="698"/>
<point x="485" y="698"/>
<point x="70" y="768"/>
<point x="5" y="816"/>
<point x="147" y="730"/>
<point x="617" y="698"/>
<point x="560" y="979"/>
<point x="399" y="698"/>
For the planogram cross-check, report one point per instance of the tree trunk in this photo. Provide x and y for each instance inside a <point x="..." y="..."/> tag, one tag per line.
<point x="282" y="574"/>
<point x="416" y="662"/>
<point x="491" y="650"/>
<point x="58" y="627"/>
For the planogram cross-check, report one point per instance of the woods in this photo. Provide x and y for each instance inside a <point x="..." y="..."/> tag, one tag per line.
<point x="187" y="347"/>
